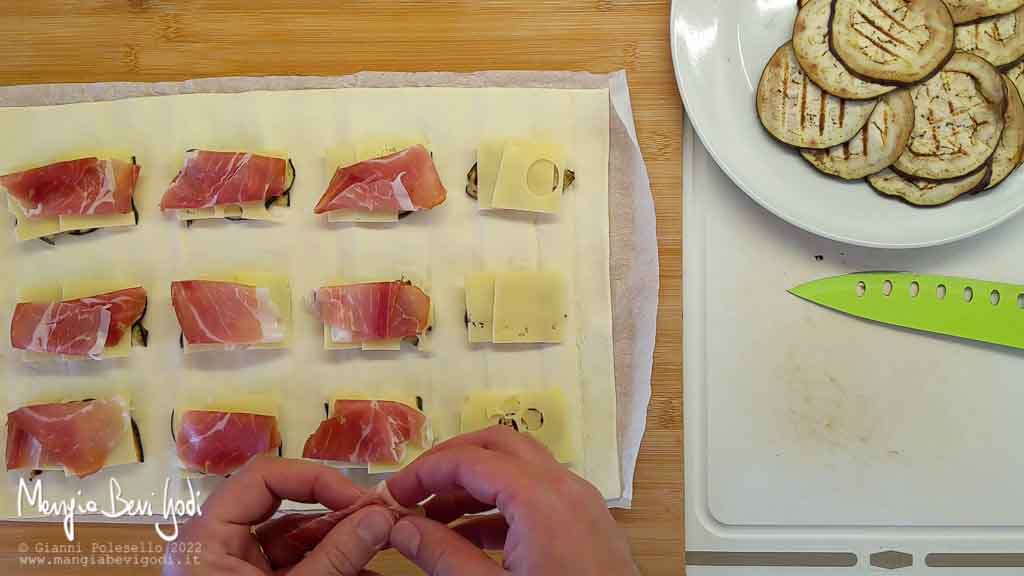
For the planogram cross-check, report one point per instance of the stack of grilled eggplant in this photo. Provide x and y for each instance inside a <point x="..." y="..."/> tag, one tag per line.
<point x="908" y="94"/>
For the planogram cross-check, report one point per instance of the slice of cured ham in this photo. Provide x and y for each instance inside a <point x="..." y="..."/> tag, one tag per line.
<point x="77" y="435"/>
<point x="82" y="187"/>
<point x="367" y="432"/>
<point x="299" y="533"/>
<point x="225" y="178"/>
<point x="226" y="313"/>
<point x="213" y="442"/>
<point x="79" y="327"/>
<point x="373" y="311"/>
<point x="406" y="181"/>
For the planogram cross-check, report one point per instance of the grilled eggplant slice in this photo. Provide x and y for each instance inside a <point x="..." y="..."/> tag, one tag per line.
<point x="959" y="120"/>
<point x="1011" y="146"/>
<point x="878" y="144"/>
<point x="964" y="11"/>
<point x="1016" y="75"/>
<point x="1000" y="40"/>
<point x="797" y="112"/>
<point x="892" y="41"/>
<point x="810" y="42"/>
<point x="929" y="192"/>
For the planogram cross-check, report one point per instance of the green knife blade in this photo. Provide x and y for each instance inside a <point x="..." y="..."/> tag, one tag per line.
<point x="979" y="310"/>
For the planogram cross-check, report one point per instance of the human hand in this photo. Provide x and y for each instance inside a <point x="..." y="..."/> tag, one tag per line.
<point x="222" y="541"/>
<point x="551" y="521"/>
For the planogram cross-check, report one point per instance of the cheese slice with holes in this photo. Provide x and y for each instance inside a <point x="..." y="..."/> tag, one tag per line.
<point x="528" y="177"/>
<point x="543" y="415"/>
<point x="347" y="155"/>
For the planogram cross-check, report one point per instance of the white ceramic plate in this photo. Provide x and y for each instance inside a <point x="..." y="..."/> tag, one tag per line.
<point x="719" y="48"/>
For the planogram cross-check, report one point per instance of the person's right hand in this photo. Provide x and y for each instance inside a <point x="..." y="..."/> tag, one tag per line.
<point x="551" y="521"/>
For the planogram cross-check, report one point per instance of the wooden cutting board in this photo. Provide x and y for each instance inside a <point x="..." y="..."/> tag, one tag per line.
<point x="152" y="40"/>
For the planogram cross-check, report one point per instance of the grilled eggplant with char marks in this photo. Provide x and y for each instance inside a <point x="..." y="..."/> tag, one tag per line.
<point x="878" y="144"/>
<point x="964" y="11"/>
<point x="1011" y="145"/>
<point x="922" y="192"/>
<point x="799" y="113"/>
<point x="1016" y="75"/>
<point x="959" y="120"/>
<point x="892" y="41"/>
<point x="810" y="42"/>
<point x="1000" y="40"/>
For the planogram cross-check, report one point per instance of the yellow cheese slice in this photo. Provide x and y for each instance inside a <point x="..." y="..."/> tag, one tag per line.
<point x="529" y="307"/>
<point x="280" y="295"/>
<point x="383" y="345"/>
<point x="248" y="211"/>
<point x="27" y="228"/>
<point x="366" y="217"/>
<point x="385" y="146"/>
<point x="480" y="307"/>
<point x="72" y="223"/>
<point x="544" y="415"/>
<point x="530" y="177"/>
<point x="488" y="161"/>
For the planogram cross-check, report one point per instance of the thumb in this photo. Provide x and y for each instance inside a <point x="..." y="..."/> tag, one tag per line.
<point x="438" y="550"/>
<point x="349" y="546"/>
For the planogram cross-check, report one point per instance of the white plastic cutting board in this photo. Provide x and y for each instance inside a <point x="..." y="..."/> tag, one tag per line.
<point x="809" y="431"/>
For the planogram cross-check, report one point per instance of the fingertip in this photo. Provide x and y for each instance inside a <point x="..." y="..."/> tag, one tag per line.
<point x="405" y="537"/>
<point x="374" y="524"/>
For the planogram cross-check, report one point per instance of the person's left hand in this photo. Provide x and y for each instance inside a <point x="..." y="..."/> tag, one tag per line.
<point x="220" y="541"/>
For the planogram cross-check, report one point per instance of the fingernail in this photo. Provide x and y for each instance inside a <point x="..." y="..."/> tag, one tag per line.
<point x="374" y="526"/>
<point x="406" y="538"/>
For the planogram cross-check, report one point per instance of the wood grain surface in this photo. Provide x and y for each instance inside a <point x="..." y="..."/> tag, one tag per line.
<point x="152" y="40"/>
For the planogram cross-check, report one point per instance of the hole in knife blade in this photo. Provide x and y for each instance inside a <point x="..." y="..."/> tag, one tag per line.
<point x="862" y="289"/>
<point x="968" y="294"/>
<point x="940" y="291"/>
<point x="994" y="297"/>
<point x="887" y="287"/>
<point x="915" y="289"/>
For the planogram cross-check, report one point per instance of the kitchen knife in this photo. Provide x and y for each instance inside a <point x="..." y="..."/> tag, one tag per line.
<point x="979" y="310"/>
